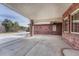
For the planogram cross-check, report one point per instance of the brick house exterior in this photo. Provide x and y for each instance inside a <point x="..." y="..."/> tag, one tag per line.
<point x="69" y="37"/>
<point x="48" y="29"/>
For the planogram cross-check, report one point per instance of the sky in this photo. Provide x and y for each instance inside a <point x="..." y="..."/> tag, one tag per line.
<point x="6" y="13"/>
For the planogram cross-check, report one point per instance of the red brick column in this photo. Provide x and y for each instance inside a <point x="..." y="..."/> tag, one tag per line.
<point x="31" y="27"/>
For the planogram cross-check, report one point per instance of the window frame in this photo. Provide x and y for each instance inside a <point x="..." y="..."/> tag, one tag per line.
<point x="66" y="19"/>
<point x="73" y="13"/>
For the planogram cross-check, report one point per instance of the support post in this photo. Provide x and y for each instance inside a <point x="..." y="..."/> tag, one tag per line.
<point x="31" y="28"/>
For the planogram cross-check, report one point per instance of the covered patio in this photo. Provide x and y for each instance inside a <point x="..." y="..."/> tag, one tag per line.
<point x="44" y="18"/>
<point x="50" y="30"/>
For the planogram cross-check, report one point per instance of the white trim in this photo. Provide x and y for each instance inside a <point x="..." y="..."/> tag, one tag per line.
<point x="75" y="21"/>
<point x="66" y="31"/>
<point x="75" y="32"/>
<point x="66" y="18"/>
<point x="76" y="11"/>
<point x="43" y="23"/>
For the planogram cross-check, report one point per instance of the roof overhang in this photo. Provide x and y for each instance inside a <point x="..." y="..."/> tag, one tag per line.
<point x="40" y="12"/>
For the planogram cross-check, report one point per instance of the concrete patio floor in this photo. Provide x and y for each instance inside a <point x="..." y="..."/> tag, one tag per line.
<point x="38" y="45"/>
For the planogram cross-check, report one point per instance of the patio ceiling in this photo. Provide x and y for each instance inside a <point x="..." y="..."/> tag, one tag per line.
<point x="41" y="12"/>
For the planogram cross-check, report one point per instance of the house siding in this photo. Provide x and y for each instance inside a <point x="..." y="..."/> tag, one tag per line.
<point x="47" y="29"/>
<point x="71" y="38"/>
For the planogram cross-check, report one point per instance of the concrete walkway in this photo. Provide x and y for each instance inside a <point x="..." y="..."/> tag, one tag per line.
<point x="48" y="45"/>
<point x="39" y="45"/>
<point x="6" y="37"/>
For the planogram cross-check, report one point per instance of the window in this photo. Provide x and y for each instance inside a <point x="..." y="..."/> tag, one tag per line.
<point x="66" y="24"/>
<point x="75" y="22"/>
<point x="54" y="28"/>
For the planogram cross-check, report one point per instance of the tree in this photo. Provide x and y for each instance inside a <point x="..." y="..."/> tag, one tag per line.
<point x="7" y="24"/>
<point x="16" y="26"/>
<point x="12" y="26"/>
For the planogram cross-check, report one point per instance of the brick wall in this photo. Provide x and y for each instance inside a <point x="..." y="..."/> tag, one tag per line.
<point x="47" y="29"/>
<point x="71" y="38"/>
<point x="42" y="29"/>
